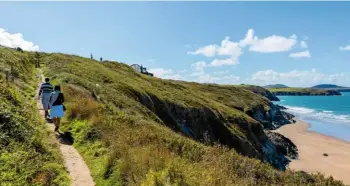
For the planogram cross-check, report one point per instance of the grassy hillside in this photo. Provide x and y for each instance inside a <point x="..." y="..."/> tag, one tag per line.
<point x="302" y="91"/>
<point x="332" y="87"/>
<point x="276" y="86"/>
<point x="133" y="129"/>
<point x="261" y="91"/>
<point x="327" y="86"/>
<point x="27" y="157"/>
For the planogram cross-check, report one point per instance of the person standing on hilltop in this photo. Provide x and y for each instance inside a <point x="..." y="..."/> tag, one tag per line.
<point x="57" y="107"/>
<point x="45" y="93"/>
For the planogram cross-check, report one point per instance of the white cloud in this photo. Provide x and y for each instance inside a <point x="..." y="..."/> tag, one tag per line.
<point x="221" y="72"/>
<point x="336" y="77"/>
<point x="170" y="74"/>
<point x="221" y="62"/>
<point x="197" y="74"/>
<point x="208" y="51"/>
<point x="165" y="74"/>
<point x="16" y="40"/>
<point x="269" y="44"/>
<point x="249" y="38"/>
<point x="344" y="47"/>
<point x="297" y="78"/>
<point x="199" y="66"/>
<point x="201" y="76"/>
<point x="229" y="48"/>
<point x="208" y="78"/>
<point x="300" y="54"/>
<point x="160" y="71"/>
<point x="231" y="78"/>
<point x="273" y="44"/>
<point x="303" y="44"/>
<point x="266" y="75"/>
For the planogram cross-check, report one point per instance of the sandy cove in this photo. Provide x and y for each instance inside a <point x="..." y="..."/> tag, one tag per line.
<point x="312" y="146"/>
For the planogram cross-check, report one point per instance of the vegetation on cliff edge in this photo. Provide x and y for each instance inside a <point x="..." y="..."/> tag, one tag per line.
<point x="302" y="91"/>
<point x="123" y="124"/>
<point x="26" y="155"/>
<point x="127" y="126"/>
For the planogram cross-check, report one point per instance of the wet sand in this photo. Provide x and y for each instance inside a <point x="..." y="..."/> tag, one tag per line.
<point x="312" y="146"/>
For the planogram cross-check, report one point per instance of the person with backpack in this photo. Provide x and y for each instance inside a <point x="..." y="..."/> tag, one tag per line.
<point x="45" y="93"/>
<point x="57" y="107"/>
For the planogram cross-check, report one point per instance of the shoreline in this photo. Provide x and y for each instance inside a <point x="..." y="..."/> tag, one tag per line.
<point x="311" y="147"/>
<point x="306" y="127"/>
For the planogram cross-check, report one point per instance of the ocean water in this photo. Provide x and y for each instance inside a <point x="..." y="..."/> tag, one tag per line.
<point x="329" y="115"/>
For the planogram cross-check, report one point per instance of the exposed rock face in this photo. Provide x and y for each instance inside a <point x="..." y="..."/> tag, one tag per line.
<point x="283" y="144"/>
<point x="275" y="148"/>
<point x="274" y="156"/>
<point x="207" y="125"/>
<point x="273" y="118"/>
<point x="326" y="93"/>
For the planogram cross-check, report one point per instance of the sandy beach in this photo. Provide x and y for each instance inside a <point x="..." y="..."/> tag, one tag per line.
<point x="312" y="146"/>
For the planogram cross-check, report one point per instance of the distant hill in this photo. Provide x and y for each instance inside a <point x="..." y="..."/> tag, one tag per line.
<point x="327" y="86"/>
<point x="276" y="86"/>
<point x="332" y="87"/>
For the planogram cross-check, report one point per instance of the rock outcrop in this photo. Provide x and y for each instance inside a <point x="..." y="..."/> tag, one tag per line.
<point x="283" y="144"/>
<point x="209" y="126"/>
<point x="204" y="124"/>
<point x="272" y="118"/>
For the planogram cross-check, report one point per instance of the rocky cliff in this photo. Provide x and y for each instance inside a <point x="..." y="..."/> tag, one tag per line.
<point x="209" y="126"/>
<point x="233" y="116"/>
<point x="139" y="130"/>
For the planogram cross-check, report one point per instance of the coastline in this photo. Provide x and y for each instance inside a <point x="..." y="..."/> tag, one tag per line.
<point x="311" y="147"/>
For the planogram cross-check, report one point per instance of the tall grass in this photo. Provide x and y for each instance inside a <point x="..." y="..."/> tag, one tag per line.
<point x="28" y="155"/>
<point x="125" y="142"/>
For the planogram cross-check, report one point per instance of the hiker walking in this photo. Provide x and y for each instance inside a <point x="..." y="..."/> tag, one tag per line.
<point x="57" y="107"/>
<point x="45" y="93"/>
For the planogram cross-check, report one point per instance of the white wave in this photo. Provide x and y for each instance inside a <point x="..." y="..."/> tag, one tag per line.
<point x="300" y="110"/>
<point x="329" y="116"/>
<point x="319" y="115"/>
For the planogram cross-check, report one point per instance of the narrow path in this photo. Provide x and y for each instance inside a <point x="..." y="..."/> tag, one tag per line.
<point x="74" y="163"/>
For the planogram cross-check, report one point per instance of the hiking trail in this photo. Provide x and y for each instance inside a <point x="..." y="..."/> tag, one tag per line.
<point x="74" y="163"/>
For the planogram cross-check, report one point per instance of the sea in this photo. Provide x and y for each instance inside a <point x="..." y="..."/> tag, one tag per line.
<point x="329" y="115"/>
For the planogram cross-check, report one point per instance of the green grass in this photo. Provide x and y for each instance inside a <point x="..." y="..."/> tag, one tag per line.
<point x="295" y="90"/>
<point x="299" y="90"/>
<point x="28" y="155"/>
<point x="125" y="142"/>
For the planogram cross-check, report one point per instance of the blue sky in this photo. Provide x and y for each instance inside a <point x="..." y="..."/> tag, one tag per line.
<point x="296" y="43"/>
